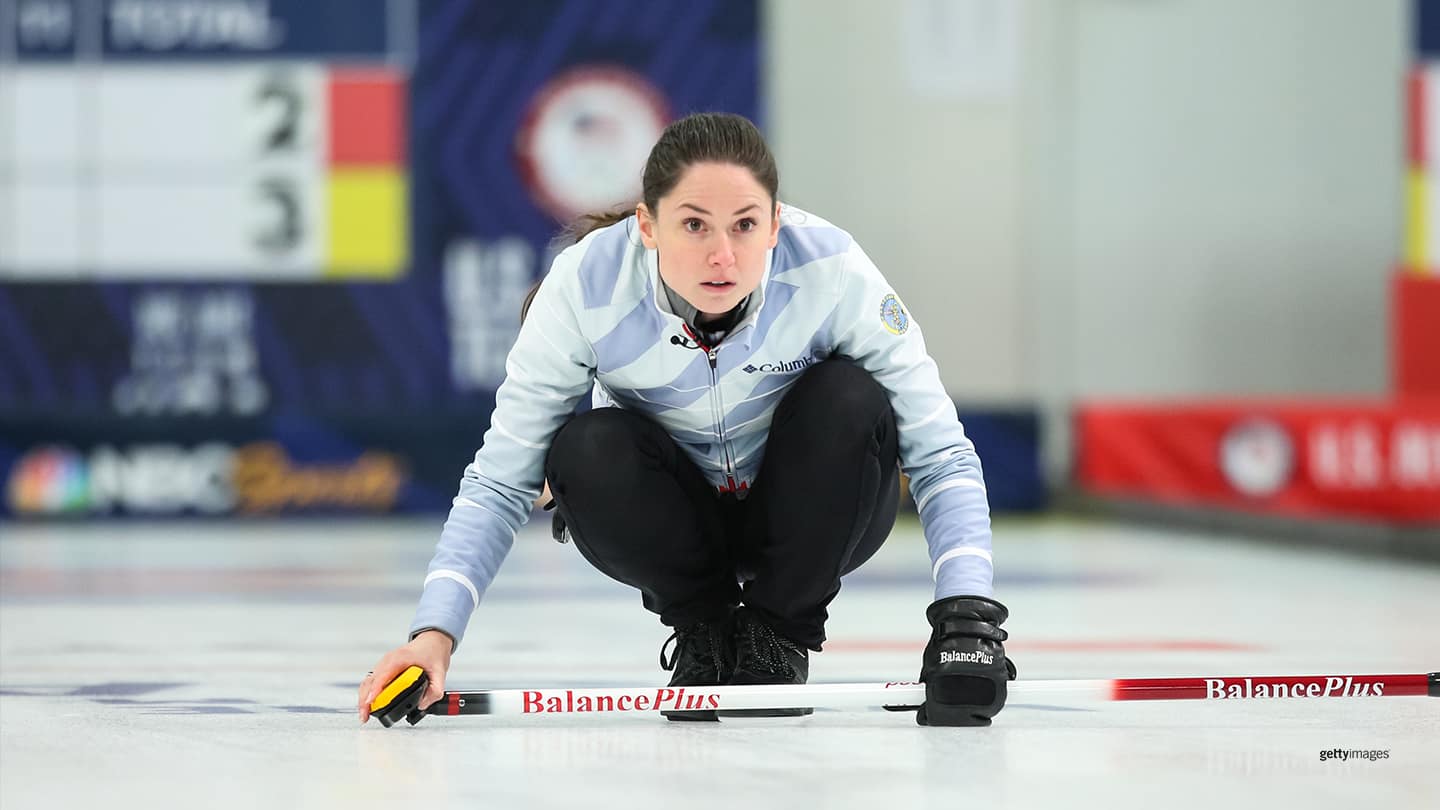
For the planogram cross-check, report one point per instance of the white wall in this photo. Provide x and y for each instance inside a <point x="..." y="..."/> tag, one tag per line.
<point x="930" y="189"/>
<point x="1182" y="197"/>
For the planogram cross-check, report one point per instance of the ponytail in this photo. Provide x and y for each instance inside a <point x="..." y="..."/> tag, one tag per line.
<point x="573" y="233"/>
<point x="586" y="223"/>
<point x="529" y="299"/>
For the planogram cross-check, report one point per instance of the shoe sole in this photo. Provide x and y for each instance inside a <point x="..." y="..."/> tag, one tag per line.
<point x="691" y="717"/>
<point x="765" y="712"/>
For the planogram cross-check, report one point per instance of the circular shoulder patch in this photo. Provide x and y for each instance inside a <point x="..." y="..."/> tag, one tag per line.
<point x="894" y="316"/>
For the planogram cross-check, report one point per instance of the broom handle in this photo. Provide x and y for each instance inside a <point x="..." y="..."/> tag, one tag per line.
<point x="908" y="695"/>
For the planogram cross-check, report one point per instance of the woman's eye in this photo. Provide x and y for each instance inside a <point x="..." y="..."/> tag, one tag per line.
<point x="692" y="225"/>
<point x="746" y="225"/>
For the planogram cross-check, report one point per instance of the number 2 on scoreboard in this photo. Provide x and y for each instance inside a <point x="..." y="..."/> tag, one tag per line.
<point x="279" y="97"/>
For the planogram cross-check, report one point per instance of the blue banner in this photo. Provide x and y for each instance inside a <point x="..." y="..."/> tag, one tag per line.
<point x="183" y="384"/>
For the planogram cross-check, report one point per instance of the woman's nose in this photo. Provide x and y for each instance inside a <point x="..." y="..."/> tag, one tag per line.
<point x="721" y="253"/>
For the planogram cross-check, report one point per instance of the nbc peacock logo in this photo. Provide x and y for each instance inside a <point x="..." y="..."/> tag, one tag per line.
<point x="49" y="480"/>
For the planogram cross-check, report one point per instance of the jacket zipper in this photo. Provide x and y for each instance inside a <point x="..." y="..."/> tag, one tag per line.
<point x="717" y="406"/>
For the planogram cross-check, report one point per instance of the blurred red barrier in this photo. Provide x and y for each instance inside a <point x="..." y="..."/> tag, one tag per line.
<point x="1310" y="459"/>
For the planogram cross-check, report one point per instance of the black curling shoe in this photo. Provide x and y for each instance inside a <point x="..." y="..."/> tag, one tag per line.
<point x="763" y="656"/>
<point x="703" y="657"/>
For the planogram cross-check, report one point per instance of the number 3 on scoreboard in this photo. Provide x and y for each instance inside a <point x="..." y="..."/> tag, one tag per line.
<point x="284" y="230"/>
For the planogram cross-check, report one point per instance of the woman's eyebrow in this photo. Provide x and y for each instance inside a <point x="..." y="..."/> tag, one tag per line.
<point x="707" y="213"/>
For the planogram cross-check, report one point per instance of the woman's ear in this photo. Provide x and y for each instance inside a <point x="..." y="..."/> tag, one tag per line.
<point x="647" y="225"/>
<point x="775" y="226"/>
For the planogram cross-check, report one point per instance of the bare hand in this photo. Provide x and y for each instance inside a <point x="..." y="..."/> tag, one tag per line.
<point x="430" y="651"/>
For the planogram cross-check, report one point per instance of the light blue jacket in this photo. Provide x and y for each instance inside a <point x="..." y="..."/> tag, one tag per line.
<point x="602" y="318"/>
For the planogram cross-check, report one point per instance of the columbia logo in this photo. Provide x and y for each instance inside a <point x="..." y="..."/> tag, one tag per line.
<point x="779" y="368"/>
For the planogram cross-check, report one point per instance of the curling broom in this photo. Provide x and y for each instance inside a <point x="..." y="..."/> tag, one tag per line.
<point x="401" y="697"/>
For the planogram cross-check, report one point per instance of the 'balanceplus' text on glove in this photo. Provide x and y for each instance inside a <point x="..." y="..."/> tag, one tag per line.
<point x="958" y="657"/>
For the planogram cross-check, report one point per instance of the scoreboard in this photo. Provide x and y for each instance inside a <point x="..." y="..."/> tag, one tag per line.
<point x="263" y="256"/>
<point x="204" y="139"/>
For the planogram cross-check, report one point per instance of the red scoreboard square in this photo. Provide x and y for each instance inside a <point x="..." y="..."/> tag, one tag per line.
<point x="367" y="117"/>
<point x="1415" y="334"/>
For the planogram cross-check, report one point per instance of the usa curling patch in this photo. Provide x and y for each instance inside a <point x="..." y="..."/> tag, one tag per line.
<point x="894" y="316"/>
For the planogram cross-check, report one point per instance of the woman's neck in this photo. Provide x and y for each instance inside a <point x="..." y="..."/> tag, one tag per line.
<point x="711" y="319"/>
<point x="704" y="321"/>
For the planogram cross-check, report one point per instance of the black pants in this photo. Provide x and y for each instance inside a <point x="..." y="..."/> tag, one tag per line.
<point x="823" y="502"/>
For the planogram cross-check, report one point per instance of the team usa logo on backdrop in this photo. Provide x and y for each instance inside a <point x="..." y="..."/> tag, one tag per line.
<point x="894" y="316"/>
<point x="1257" y="457"/>
<point x="585" y="139"/>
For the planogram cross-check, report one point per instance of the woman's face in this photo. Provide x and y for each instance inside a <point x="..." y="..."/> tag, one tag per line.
<point x="711" y="234"/>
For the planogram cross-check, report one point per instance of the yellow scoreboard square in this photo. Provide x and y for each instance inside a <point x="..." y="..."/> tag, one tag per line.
<point x="1417" y="221"/>
<point x="368" y="235"/>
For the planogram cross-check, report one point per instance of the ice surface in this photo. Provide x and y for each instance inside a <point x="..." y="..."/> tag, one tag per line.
<point x="214" y="664"/>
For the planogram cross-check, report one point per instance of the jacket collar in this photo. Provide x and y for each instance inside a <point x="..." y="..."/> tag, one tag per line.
<point x="744" y="331"/>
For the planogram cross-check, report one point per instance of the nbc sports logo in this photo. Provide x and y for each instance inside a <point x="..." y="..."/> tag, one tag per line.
<point x="49" y="480"/>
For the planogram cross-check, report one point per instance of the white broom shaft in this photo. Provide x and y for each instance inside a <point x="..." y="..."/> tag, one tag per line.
<point x="911" y="694"/>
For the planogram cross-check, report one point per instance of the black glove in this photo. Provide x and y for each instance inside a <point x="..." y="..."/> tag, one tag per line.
<point x="965" y="668"/>
<point x="557" y="523"/>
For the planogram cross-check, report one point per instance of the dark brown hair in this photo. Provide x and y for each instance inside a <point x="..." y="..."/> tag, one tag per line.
<point x="696" y="138"/>
<point x="529" y="299"/>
